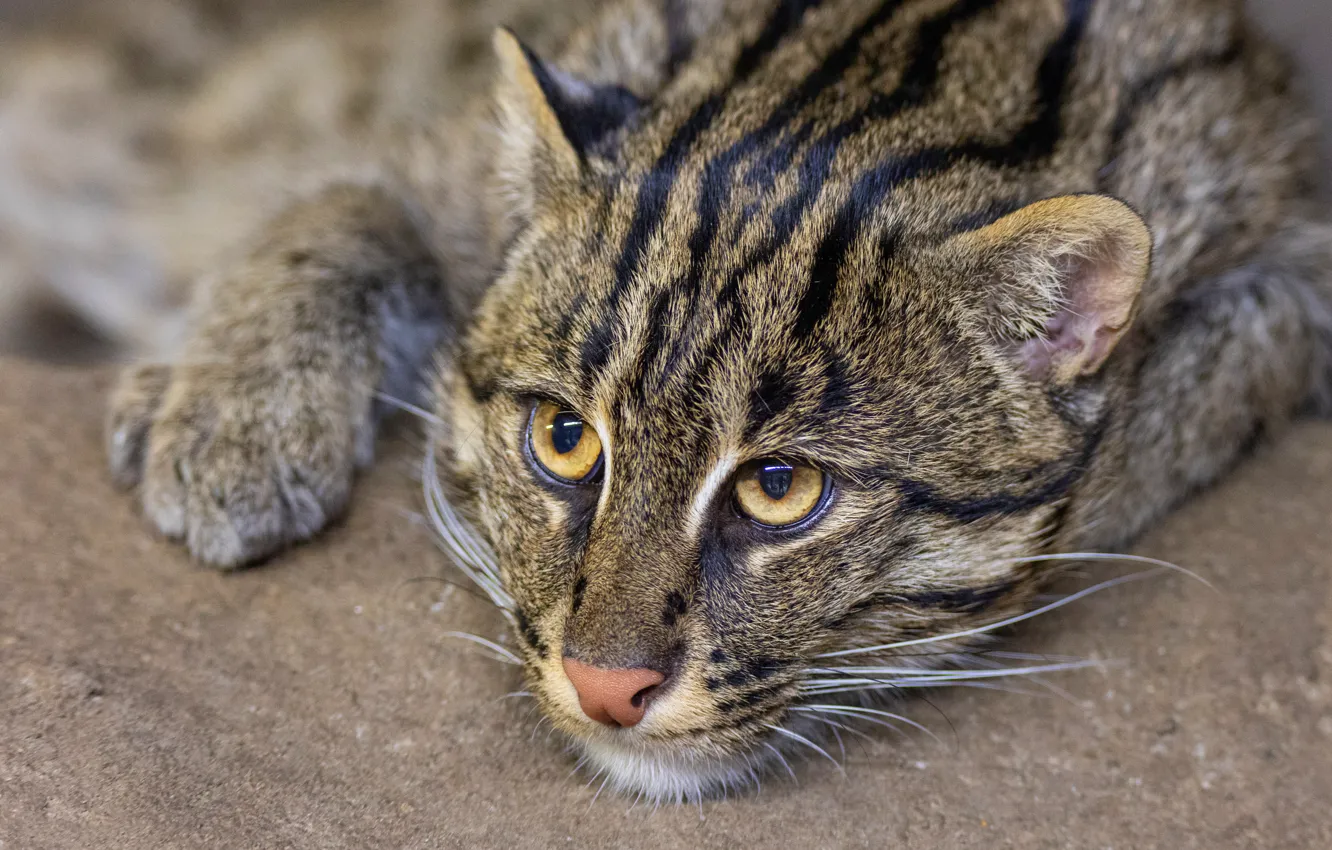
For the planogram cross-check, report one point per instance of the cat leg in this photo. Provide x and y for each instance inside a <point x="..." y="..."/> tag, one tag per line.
<point x="1232" y="360"/>
<point x="248" y="442"/>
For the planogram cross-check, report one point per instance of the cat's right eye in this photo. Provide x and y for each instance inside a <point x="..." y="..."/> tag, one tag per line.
<point x="565" y="446"/>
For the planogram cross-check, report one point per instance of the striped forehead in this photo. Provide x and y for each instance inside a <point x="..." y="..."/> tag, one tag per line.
<point x="809" y="138"/>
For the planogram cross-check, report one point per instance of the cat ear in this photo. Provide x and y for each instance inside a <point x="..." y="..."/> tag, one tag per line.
<point x="550" y="121"/>
<point x="1060" y="279"/>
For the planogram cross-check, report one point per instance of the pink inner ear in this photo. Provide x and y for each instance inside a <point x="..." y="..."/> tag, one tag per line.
<point x="1078" y="339"/>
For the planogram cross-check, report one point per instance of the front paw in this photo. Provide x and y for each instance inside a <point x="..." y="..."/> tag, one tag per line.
<point x="237" y="463"/>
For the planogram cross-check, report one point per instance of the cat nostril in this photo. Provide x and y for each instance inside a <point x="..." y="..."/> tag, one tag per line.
<point x="639" y="700"/>
<point x="615" y="698"/>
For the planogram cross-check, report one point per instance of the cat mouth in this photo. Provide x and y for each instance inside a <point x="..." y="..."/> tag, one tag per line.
<point x="680" y="752"/>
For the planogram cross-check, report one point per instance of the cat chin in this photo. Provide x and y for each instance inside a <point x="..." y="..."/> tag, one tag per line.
<point x="662" y="776"/>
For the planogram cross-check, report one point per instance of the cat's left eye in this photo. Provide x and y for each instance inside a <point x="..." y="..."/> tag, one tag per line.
<point x="775" y="493"/>
<point x="563" y="444"/>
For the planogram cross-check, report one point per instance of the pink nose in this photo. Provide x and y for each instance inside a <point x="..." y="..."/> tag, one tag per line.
<point x="612" y="697"/>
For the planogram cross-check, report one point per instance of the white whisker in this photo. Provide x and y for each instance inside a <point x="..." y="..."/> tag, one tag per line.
<point x="582" y="760"/>
<point x="601" y="788"/>
<point x="1045" y="609"/>
<point x="805" y="709"/>
<point x="923" y="673"/>
<point x="1022" y="656"/>
<point x="905" y="685"/>
<point x="807" y="742"/>
<point x="408" y="407"/>
<point x="831" y="723"/>
<point x="506" y="655"/>
<point x="1112" y="556"/>
<point x="782" y="759"/>
<point x="469" y="554"/>
<point x="872" y="714"/>
<point x="934" y="677"/>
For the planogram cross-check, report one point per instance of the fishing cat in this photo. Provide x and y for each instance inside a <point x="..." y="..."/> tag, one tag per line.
<point x="769" y="336"/>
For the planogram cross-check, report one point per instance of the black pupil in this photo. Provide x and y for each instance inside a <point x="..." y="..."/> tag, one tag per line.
<point x="775" y="479"/>
<point x="566" y="432"/>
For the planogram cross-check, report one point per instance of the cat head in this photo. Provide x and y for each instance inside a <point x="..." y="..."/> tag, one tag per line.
<point x="724" y="416"/>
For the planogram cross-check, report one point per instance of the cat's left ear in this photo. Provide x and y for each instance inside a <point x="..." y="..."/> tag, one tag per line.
<point x="550" y="121"/>
<point x="1060" y="280"/>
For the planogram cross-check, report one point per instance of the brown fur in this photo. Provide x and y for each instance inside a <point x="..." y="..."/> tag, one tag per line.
<point x="815" y="231"/>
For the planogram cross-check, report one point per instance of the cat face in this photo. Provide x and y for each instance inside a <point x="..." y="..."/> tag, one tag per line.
<point x="723" y="442"/>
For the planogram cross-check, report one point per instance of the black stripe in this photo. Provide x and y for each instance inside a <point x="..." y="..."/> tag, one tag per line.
<point x="1148" y="89"/>
<point x="822" y="287"/>
<point x="733" y="316"/>
<point x="715" y="187"/>
<point x="529" y="634"/>
<point x="652" y="344"/>
<point x="589" y="114"/>
<point x="985" y="216"/>
<point x="830" y="72"/>
<point x="1059" y="479"/>
<point x="679" y="41"/>
<point x="774" y="394"/>
<point x="837" y="386"/>
<point x="817" y="164"/>
<point x="1034" y="140"/>
<point x="656" y="186"/>
<point x="661" y="178"/>
<point x="914" y="88"/>
<point x="961" y="600"/>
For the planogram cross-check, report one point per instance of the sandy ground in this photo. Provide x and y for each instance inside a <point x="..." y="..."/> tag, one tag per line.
<point x="146" y="702"/>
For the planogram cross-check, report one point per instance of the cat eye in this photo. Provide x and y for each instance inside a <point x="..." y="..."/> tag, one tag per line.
<point x="563" y="444"/>
<point x="775" y="493"/>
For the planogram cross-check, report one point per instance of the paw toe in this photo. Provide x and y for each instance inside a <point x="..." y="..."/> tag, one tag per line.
<point x="134" y="403"/>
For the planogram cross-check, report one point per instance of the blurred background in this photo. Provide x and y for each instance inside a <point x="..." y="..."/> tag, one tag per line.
<point x="128" y="165"/>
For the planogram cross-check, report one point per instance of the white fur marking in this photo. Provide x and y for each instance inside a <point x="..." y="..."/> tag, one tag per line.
<point x="720" y="474"/>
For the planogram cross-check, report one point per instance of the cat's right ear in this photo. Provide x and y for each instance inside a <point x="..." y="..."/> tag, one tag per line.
<point x="1059" y="280"/>
<point x="550" y="123"/>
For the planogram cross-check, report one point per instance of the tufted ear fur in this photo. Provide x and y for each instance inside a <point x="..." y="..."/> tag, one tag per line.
<point x="550" y="122"/>
<point x="1060" y="279"/>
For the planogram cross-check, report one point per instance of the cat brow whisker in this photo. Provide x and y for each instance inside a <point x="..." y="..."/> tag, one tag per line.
<point x="506" y="655"/>
<point x="1045" y="609"/>
<point x="408" y="407"/>
<point x="476" y="553"/>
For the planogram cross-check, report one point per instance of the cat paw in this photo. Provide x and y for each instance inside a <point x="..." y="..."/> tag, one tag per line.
<point x="237" y="464"/>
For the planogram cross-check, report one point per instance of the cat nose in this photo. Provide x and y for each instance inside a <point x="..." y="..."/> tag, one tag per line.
<point x="613" y="697"/>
